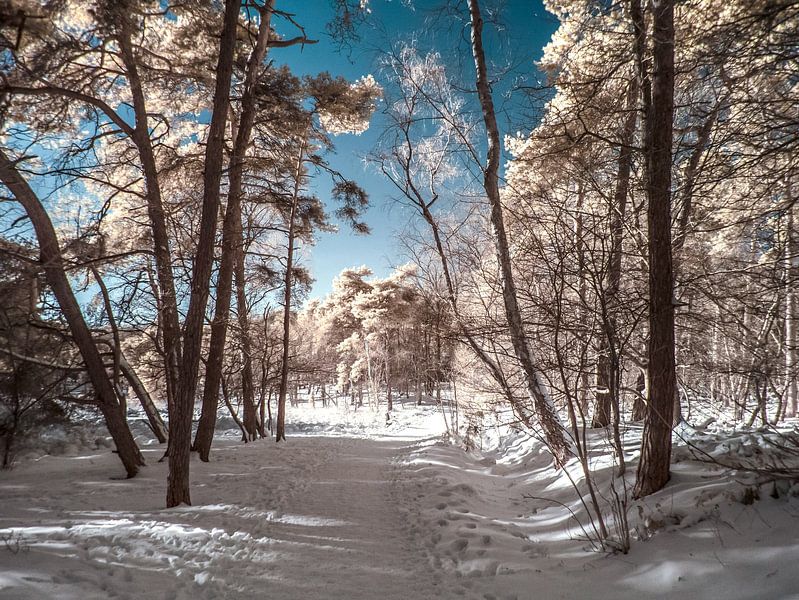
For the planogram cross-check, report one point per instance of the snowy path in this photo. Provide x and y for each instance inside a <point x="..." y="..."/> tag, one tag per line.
<point x="319" y="517"/>
<point x="371" y="515"/>
<point x="351" y="534"/>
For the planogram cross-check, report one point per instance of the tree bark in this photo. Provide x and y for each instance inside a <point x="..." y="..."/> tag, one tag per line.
<point x="791" y="301"/>
<point x="280" y="425"/>
<point x="53" y="265"/>
<point x="642" y="392"/>
<point x="607" y="381"/>
<point x="157" y="425"/>
<point x="232" y="249"/>
<point x="157" y="216"/>
<point x="150" y="410"/>
<point x="247" y="377"/>
<point x="554" y="432"/>
<point x="653" y="468"/>
<point x="180" y="425"/>
<point x="389" y="396"/>
<point x="232" y="410"/>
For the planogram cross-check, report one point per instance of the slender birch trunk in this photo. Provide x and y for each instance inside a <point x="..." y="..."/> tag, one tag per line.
<point x="280" y="426"/>
<point x="791" y="302"/>
<point x="547" y="415"/>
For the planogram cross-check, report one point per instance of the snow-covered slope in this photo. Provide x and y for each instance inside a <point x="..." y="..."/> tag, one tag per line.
<point x="505" y="517"/>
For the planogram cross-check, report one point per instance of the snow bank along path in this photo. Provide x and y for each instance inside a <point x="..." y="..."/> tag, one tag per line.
<point x="369" y="511"/>
<point x="318" y="517"/>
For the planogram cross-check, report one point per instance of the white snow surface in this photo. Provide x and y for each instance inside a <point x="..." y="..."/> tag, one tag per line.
<point x="353" y="508"/>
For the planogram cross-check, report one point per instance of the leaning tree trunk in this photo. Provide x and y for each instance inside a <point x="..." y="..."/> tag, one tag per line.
<point x="150" y="410"/>
<point x="180" y="424"/>
<point x="231" y="248"/>
<point x="492" y="365"/>
<point x="653" y="468"/>
<point x="53" y="265"/>
<point x="168" y="309"/>
<point x="554" y="432"/>
<point x="154" y="420"/>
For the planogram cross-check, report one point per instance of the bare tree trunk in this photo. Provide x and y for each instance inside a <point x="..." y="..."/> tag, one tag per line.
<point x="493" y="367"/>
<point x="642" y="392"/>
<point x="269" y="424"/>
<point x="159" y="338"/>
<point x="264" y="390"/>
<point x="280" y="426"/>
<point x="232" y="254"/>
<point x="582" y="380"/>
<point x="791" y="301"/>
<point x="180" y="424"/>
<point x="247" y="386"/>
<point x="150" y="410"/>
<point x="691" y="173"/>
<point x="157" y="216"/>
<point x="53" y="265"/>
<point x="370" y="382"/>
<point x="653" y="468"/>
<point x="116" y="346"/>
<point x="262" y="416"/>
<point x="156" y="423"/>
<point x="547" y="415"/>
<point x="232" y="411"/>
<point x="608" y="363"/>
<point x="389" y="397"/>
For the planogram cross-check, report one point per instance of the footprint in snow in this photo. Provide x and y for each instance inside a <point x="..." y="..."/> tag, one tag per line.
<point x="463" y="533"/>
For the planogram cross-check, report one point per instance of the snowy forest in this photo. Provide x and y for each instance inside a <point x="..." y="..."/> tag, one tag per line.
<point x="574" y="374"/>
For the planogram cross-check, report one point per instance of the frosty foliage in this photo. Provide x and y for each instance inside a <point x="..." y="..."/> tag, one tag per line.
<point x="363" y="319"/>
<point x="345" y="107"/>
<point x="733" y="178"/>
<point x="429" y="130"/>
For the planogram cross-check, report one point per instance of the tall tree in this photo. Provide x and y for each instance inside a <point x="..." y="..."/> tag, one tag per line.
<point x="178" y="491"/>
<point x="288" y="281"/>
<point x="653" y="468"/>
<point x="545" y="409"/>
<point x="791" y="304"/>
<point x="232" y="248"/>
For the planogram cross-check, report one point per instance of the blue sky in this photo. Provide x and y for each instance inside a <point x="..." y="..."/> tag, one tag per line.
<point x="527" y="28"/>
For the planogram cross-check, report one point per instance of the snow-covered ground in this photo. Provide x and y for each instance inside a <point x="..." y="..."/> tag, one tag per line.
<point x="351" y="508"/>
<point x="703" y="537"/>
